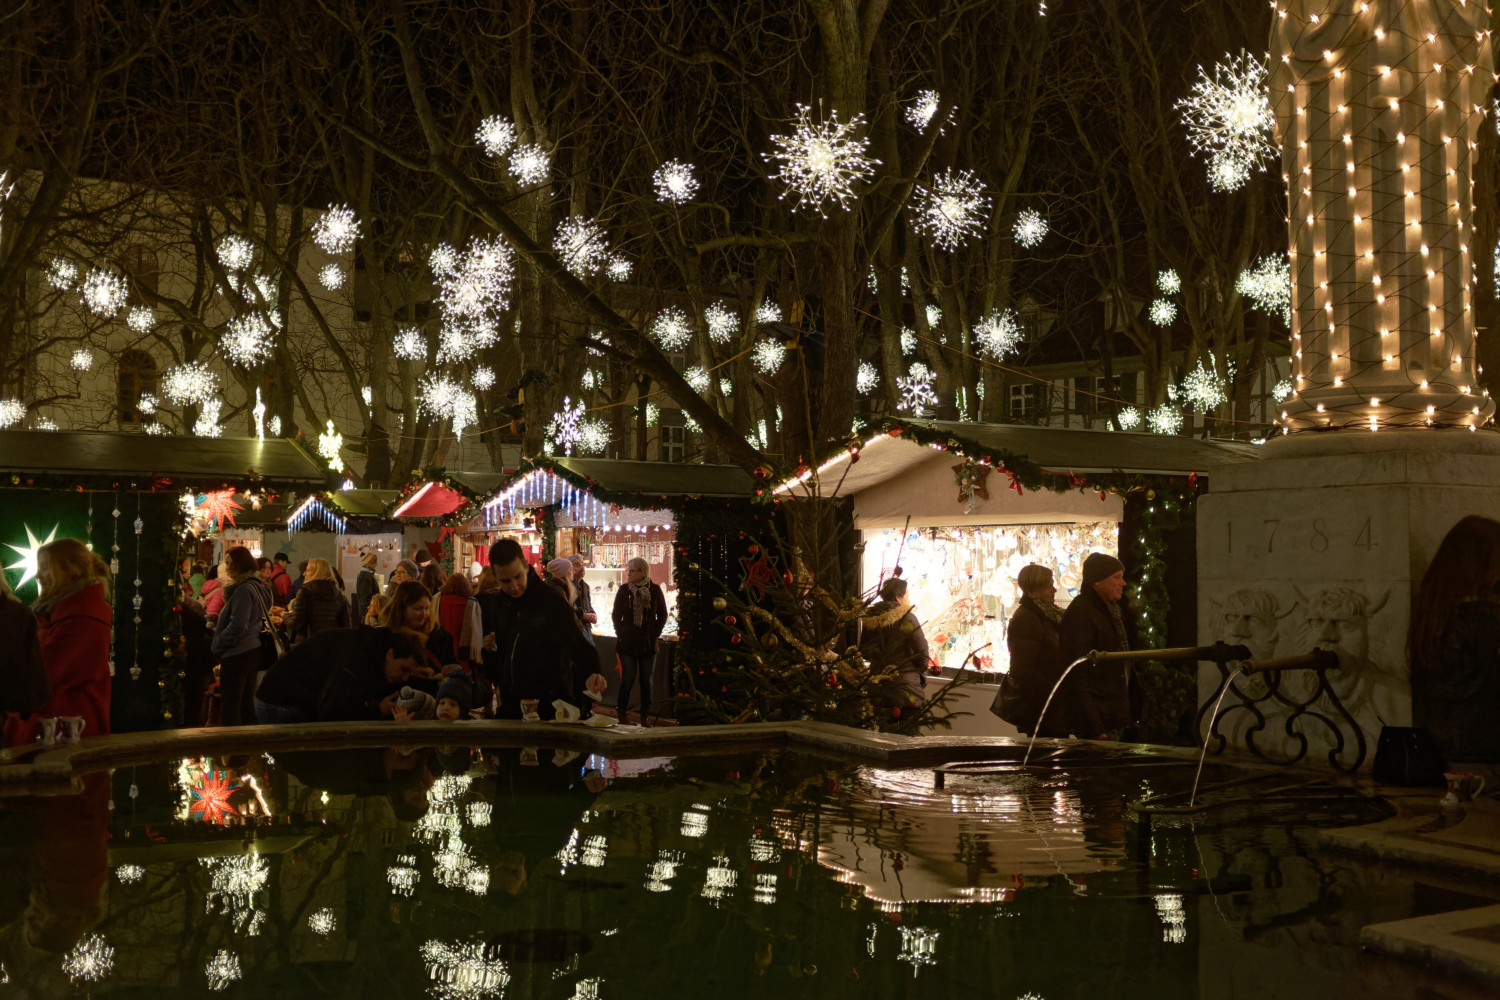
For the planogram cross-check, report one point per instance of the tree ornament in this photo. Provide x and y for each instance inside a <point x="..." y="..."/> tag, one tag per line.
<point x="720" y="604"/>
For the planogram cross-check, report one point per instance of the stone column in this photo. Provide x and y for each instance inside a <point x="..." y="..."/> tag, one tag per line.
<point x="1378" y="106"/>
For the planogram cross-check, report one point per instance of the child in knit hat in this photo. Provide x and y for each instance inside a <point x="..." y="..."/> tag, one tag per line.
<point x="455" y="696"/>
<point x="414" y="704"/>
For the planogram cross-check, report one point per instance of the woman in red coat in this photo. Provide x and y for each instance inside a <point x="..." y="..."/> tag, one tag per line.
<point x="73" y="618"/>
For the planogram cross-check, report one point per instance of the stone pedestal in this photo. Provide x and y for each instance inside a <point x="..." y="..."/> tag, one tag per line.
<point x="1321" y="543"/>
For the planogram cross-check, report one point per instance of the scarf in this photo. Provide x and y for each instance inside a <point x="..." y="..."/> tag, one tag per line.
<point x="46" y="603"/>
<point x="234" y="584"/>
<point x="1049" y="613"/>
<point x="640" y="600"/>
<point x="1118" y="621"/>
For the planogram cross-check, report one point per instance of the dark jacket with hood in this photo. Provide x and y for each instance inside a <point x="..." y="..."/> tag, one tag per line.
<point x="336" y="676"/>
<point x="540" y="652"/>
<point x="1099" y="695"/>
<point x="638" y="640"/>
<point x="318" y="607"/>
<point x="23" y="680"/>
<point x="1035" y="665"/>
<point x="892" y="636"/>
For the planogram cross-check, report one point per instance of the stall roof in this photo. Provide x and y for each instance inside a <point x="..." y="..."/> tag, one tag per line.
<point x="363" y="503"/>
<point x="657" y="479"/>
<point x="1053" y="448"/>
<point x="141" y="458"/>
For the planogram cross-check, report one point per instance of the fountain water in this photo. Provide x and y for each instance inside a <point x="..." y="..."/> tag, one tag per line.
<point x="1213" y="720"/>
<point x="1047" y="704"/>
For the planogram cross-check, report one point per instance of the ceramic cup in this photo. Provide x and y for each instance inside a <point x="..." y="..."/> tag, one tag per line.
<point x="70" y="728"/>
<point x="1462" y="787"/>
<point x="529" y="756"/>
<point x="49" y="732"/>
<point x="528" y="709"/>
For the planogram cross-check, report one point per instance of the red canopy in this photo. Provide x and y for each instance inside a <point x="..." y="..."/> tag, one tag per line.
<point x="432" y="500"/>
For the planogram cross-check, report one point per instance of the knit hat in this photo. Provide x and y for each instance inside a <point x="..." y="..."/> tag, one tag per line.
<point x="418" y="704"/>
<point x="561" y="567"/>
<point x="1100" y="566"/>
<point x="367" y="559"/>
<point x="410" y="567"/>
<point x="460" y="688"/>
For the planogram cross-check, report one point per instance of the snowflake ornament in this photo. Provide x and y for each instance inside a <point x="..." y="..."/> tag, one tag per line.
<point x="530" y="163"/>
<point x="235" y="253"/>
<point x="141" y="319"/>
<point x="496" y="134"/>
<point x="821" y="162"/>
<point x="1030" y="228"/>
<point x="62" y="273"/>
<point x="566" y="427"/>
<point x="866" y="378"/>
<point x="767" y="355"/>
<point x="722" y="324"/>
<point x="917" y="395"/>
<point x="103" y="292"/>
<point x="998" y="333"/>
<point x="581" y="245"/>
<point x="674" y="182"/>
<point x="82" y="359"/>
<point x="951" y="212"/>
<point x="331" y="277"/>
<point x="1162" y="312"/>
<point x="248" y="340"/>
<point x="409" y="344"/>
<point x="336" y="230"/>
<point x="672" y="329"/>
<point x="186" y="384"/>
<point x="1229" y="120"/>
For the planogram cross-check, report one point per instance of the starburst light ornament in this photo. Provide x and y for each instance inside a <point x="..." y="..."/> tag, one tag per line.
<point x="1128" y="418"/>
<point x="483" y="378"/>
<point x="336" y="230"/>
<point x="1282" y="390"/>
<point x="1229" y="119"/>
<point x="330" y="443"/>
<point x="445" y="399"/>
<point x="866" y="378"/>
<point x="1030" y="228"/>
<point x="582" y="246"/>
<point x="331" y="277"/>
<point x="566" y="427"/>
<point x="908" y="341"/>
<point x="409" y="344"/>
<point x="185" y="384"/>
<point x="672" y="329"/>
<point x="443" y="260"/>
<point x="953" y="211"/>
<point x="44" y="424"/>
<point x="89" y="961"/>
<point x="82" y="359"/>
<point x="768" y="355"/>
<point x="1165" y="419"/>
<point x="322" y="922"/>
<point x="1169" y="282"/>
<point x="998" y="333"/>
<point x="530" y="163"/>
<point x="223" y="970"/>
<point x="674" y="182"/>
<point x="455" y="344"/>
<point x="62" y="273"/>
<point x="479" y="284"/>
<point x="822" y="161"/>
<point x="934" y="315"/>
<point x="722" y="324"/>
<point x="1269" y="286"/>
<point x="235" y="253"/>
<point x="140" y="319"/>
<point x="28" y="554"/>
<point x="103" y="292"/>
<point x="496" y="134"/>
<point x="919" y="113"/>
<point x="248" y="340"/>
<point x="1204" y="388"/>
<point x="697" y="377"/>
<point x="1162" y="312"/>
<point x="618" y="268"/>
<point x="768" y="312"/>
<point x="207" y="425"/>
<point x="147" y="403"/>
<point x="593" y="436"/>
<point x="155" y="428"/>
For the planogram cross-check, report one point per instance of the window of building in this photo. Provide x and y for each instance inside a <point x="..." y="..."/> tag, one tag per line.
<point x="135" y="376"/>
<point x="140" y="263"/>
<point x="671" y="437"/>
<point x="1023" y="401"/>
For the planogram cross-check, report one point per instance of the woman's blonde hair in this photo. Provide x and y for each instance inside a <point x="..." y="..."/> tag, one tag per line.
<point x="376" y="608"/>
<point x="317" y="569"/>
<point x="1033" y="578"/>
<point x="68" y="561"/>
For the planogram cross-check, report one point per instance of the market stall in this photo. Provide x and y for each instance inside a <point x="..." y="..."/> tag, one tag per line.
<point x="957" y="509"/>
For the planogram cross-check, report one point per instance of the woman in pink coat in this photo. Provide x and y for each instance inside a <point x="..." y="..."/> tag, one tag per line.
<point x="73" y="618"/>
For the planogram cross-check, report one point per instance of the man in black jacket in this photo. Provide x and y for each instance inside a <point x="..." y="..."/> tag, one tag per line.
<point x="342" y="675"/>
<point x="533" y="645"/>
<point x="1100" y="693"/>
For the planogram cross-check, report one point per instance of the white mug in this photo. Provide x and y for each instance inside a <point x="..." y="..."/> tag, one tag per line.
<point x="70" y="728"/>
<point x="49" y="732"/>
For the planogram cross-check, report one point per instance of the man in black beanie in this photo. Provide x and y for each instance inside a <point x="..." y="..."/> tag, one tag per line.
<point x="1099" y="699"/>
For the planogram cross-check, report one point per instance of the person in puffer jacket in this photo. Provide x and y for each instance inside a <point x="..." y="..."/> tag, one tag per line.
<point x="891" y="636"/>
<point x="318" y="606"/>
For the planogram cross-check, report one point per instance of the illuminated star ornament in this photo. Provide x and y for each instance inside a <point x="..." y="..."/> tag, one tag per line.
<point x="27" y="565"/>
<point x="216" y="507"/>
<point x="210" y="797"/>
<point x="822" y="161"/>
<point x="953" y="210"/>
<point x="1229" y="120"/>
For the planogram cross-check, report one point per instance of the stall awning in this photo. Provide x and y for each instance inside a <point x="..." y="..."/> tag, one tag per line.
<point x="586" y="490"/>
<point x="433" y="499"/>
<point x="363" y="503"/>
<point x="101" y="458"/>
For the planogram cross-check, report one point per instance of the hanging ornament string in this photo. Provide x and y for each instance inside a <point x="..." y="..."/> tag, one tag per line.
<point x="135" y="668"/>
<point x="114" y="571"/>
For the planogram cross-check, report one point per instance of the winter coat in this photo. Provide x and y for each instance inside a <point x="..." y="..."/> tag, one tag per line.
<point x="1099" y="695"/>
<point x="540" y="651"/>
<point x="459" y="616"/>
<point x="365" y="588"/>
<point x="335" y="676"/>
<point x="74" y="635"/>
<point x="280" y="583"/>
<point x="638" y="640"/>
<point x="1035" y="665"/>
<point x="583" y="598"/>
<point x="213" y="597"/>
<point x="241" y="621"/>
<point x="1458" y="701"/>
<point x="890" y="635"/>
<point x="318" y="607"/>
<point x="23" y="684"/>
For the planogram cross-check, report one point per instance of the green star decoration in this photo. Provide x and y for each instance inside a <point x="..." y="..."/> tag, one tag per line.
<point x="28" y="554"/>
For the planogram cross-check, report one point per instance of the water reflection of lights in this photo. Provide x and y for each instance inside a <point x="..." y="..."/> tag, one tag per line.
<point x="695" y="821"/>
<point x="587" y="989"/>
<point x="322" y="921"/>
<point x="919" y="947"/>
<point x="90" y="960"/>
<point x="448" y="789"/>
<point x="479" y="813"/>
<point x="236" y="880"/>
<point x="765" y="888"/>
<point x="595" y="849"/>
<point x="130" y="874"/>
<point x="459" y="971"/>
<point x="764" y="851"/>
<point x="437" y="824"/>
<point x="870" y="938"/>
<point x="721" y="880"/>
<point x="403" y="876"/>
<point x="455" y="868"/>
<point x="987" y="894"/>
<point x="1173" y="918"/>
<point x="663" y="870"/>
<point x="223" y="970"/>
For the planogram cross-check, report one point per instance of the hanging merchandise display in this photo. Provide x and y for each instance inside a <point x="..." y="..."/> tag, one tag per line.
<point x="962" y="579"/>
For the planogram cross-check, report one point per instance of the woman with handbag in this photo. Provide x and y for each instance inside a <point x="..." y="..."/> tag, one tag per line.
<point x="237" y="637"/>
<point x="640" y="615"/>
<point x="1032" y="638"/>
